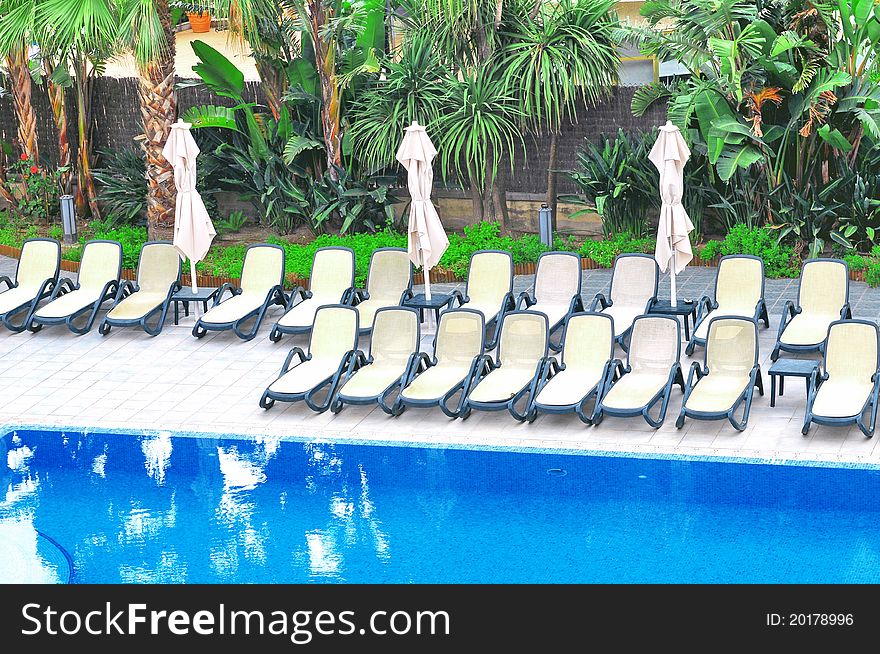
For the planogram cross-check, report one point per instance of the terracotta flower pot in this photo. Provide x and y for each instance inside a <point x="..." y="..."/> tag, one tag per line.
<point x="200" y="22"/>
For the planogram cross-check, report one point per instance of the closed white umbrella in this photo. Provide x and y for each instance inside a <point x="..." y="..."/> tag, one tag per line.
<point x="427" y="240"/>
<point x="193" y="229"/>
<point x="669" y="155"/>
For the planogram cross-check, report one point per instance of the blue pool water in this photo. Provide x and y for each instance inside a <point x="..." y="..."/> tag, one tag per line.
<point x="119" y="508"/>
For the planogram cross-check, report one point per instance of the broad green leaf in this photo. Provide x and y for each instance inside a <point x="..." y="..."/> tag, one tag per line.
<point x="211" y="116"/>
<point x="297" y="144"/>
<point x="301" y="73"/>
<point x="834" y="138"/>
<point x="218" y="73"/>
<point x="710" y="106"/>
<point x="736" y="157"/>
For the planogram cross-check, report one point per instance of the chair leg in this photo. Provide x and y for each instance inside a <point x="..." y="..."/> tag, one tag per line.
<point x="759" y="382"/>
<point x="199" y="331"/>
<point x="266" y="402"/>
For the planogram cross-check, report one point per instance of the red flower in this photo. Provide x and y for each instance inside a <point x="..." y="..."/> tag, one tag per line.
<point x="34" y="170"/>
<point x="24" y="156"/>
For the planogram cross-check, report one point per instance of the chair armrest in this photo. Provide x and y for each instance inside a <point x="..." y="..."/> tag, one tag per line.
<point x="789" y="311"/>
<point x="705" y="305"/>
<point x="696" y="369"/>
<point x="846" y="312"/>
<point x="650" y="304"/>
<point x="299" y="290"/>
<point x="126" y="288"/>
<point x="815" y="382"/>
<point x="600" y="301"/>
<point x="226" y="286"/>
<point x="297" y="351"/>
<point x="352" y="296"/>
<point x="420" y="362"/>
<point x="618" y="370"/>
<point x="524" y="300"/>
<point x="63" y="286"/>
<point x="5" y="280"/>
<point x="550" y="365"/>
<point x="458" y="295"/>
<point x="406" y="295"/>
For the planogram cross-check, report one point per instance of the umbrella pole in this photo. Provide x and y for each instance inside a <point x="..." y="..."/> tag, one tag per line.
<point x="428" y="284"/>
<point x="192" y="273"/>
<point x="672" y="295"/>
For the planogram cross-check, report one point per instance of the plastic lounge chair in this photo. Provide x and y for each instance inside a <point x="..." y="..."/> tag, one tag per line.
<point x="331" y="282"/>
<point x="158" y="278"/>
<point x="96" y="282"/>
<point x="262" y="279"/>
<point x="36" y="276"/>
<point x="652" y="368"/>
<point x="394" y="347"/>
<point x="739" y="291"/>
<point x="433" y="381"/>
<point x="849" y="385"/>
<point x="489" y="288"/>
<point x="585" y="368"/>
<point x="331" y="359"/>
<point x="634" y="280"/>
<point x="823" y="297"/>
<point x="518" y="371"/>
<point x="389" y="283"/>
<point x="557" y="291"/>
<point x="728" y="376"/>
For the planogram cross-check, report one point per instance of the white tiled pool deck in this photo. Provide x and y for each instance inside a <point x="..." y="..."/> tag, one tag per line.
<point x="130" y="381"/>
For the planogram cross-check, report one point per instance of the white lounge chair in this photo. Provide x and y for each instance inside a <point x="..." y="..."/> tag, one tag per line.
<point x="586" y="365"/>
<point x="652" y="368"/>
<point x="634" y="281"/>
<point x="729" y="375"/>
<point x="458" y="353"/>
<point x="36" y="275"/>
<point x="557" y="290"/>
<point x="518" y="370"/>
<point x="389" y="283"/>
<point x="739" y="291"/>
<point x="489" y="289"/>
<point x="158" y="278"/>
<point x="394" y="347"/>
<point x="262" y="280"/>
<point x="823" y="297"/>
<point x="96" y="282"/>
<point x="331" y="359"/>
<point x="849" y="385"/>
<point x="330" y="282"/>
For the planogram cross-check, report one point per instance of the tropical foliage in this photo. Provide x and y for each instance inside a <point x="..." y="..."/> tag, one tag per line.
<point x="784" y="102"/>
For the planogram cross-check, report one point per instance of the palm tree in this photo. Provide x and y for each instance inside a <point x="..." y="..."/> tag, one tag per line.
<point x="73" y="37"/>
<point x="16" y="53"/>
<point x="554" y="56"/>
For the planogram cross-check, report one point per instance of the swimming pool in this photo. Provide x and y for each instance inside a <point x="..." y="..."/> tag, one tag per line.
<point x="162" y="508"/>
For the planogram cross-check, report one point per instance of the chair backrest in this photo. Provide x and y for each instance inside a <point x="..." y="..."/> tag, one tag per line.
<point x="263" y="268"/>
<point x="824" y="286"/>
<point x="557" y="277"/>
<point x="524" y="339"/>
<point x="589" y="341"/>
<point x="395" y="335"/>
<point x="851" y="350"/>
<point x="158" y="267"/>
<point x="332" y="272"/>
<point x="40" y="260"/>
<point x="731" y="346"/>
<point x="101" y="263"/>
<point x="334" y="332"/>
<point x="390" y="274"/>
<point x="655" y="344"/>
<point x="461" y="336"/>
<point x="740" y="281"/>
<point x="634" y="279"/>
<point x="490" y="278"/>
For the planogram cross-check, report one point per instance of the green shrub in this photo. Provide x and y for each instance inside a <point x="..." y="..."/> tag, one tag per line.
<point x="855" y="261"/>
<point x="779" y="260"/>
<point x="603" y="252"/>
<point x="132" y="239"/>
<point x="872" y="273"/>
